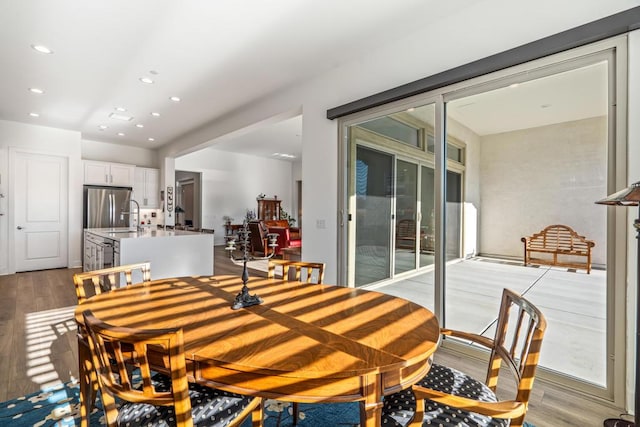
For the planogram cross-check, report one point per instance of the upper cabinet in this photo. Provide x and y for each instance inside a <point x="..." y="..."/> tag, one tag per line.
<point x="103" y="173"/>
<point x="146" y="188"/>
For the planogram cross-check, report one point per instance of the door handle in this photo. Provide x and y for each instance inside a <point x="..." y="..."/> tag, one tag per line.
<point x="19" y="227"/>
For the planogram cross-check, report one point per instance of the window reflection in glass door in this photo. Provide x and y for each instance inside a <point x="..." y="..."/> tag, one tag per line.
<point x="407" y="228"/>
<point x="373" y="197"/>
<point x="427" y="217"/>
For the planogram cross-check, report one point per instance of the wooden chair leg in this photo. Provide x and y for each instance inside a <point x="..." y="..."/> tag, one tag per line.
<point x="256" y="415"/>
<point x="88" y="382"/>
<point x="295" y="413"/>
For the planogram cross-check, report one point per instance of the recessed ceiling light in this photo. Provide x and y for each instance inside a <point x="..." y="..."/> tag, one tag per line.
<point x="151" y="139"/>
<point x="410" y="109"/>
<point x="154" y="114"/>
<point x="40" y="48"/>
<point x="120" y="117"/>
<point x="102" y="127"/>
<point x="146" y="80"/>
<point x="121" y="109"/>
<point x="139" y="125"/>
<point x="514" y="85"/>
<point x="34" y="114"/>
<point x="36" y="90"/>
<point x="120" y="134"/>
<point x="175" y="98"/>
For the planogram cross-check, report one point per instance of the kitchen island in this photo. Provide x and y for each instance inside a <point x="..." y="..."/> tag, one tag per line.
<point x="172" y="253"/>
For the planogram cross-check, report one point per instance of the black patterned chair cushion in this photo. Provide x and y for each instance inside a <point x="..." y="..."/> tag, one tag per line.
<point x="400" y="407"/>
<point x="209" y="407"/>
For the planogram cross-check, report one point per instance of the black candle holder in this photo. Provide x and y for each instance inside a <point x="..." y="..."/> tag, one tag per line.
<point x="244" y="299"/>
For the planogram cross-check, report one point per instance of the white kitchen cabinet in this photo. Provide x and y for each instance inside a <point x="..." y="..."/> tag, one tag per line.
<point x="104" y="173"/>
<point x="146" y="188"/>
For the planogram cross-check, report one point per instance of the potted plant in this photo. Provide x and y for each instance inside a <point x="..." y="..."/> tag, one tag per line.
<point x="285" y="215"/>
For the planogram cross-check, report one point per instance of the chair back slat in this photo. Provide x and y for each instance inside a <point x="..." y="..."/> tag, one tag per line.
<point x="108" y="278"/>
<point x="314" y="271"/>
<point x="515" y="331"/>
<point x="517" y="344"/>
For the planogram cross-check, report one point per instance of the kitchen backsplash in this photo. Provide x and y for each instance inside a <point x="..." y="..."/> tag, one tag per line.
<point x="150" y="217"/>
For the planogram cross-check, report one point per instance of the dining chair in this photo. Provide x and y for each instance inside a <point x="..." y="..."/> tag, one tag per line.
<point x="160" y="400"/>
<point x="292" y="271"/>
<point x="102" y="280"/>
<point x="108" y="279"/>
<point x="299" y="271"/>
<point x="447" y="395"/>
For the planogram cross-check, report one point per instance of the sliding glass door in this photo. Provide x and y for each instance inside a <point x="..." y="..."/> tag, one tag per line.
<point x="392" y="212"/>
<point x="441" y="221"/>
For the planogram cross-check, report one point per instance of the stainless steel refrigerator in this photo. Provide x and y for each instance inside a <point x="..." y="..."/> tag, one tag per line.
<point x="103" y="207"/>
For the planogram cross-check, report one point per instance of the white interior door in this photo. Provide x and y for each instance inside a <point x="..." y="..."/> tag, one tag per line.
<point x="40" y="211"/>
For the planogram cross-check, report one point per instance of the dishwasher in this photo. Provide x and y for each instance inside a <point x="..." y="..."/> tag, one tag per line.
<point x="116" y="253"/>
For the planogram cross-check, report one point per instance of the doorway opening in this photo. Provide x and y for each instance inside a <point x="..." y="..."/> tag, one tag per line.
<point x="188" y="200"/>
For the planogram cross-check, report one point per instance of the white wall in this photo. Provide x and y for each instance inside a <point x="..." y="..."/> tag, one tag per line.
<point x="231" y="182"/>
<point x="47" y="141"/>
<point x="65" y="143"/>
<point x="472" y="184"/>
<point x="117" y="153"/>
<point x="541" y="176"/>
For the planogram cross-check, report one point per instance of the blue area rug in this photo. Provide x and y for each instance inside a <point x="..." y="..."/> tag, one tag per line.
<point x="59" y="406"/>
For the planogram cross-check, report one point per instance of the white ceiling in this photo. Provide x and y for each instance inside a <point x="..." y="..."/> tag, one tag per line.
<point x="559" y="98"/>
<point x="217" y="56"/>
<point x="282" y="141"/>
<point x="563" y="97"/>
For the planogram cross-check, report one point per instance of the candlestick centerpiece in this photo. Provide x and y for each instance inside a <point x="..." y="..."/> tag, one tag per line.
<point x="244" y="299"/>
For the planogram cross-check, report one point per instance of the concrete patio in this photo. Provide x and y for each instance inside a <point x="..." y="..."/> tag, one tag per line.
<point x="573" y="302"/>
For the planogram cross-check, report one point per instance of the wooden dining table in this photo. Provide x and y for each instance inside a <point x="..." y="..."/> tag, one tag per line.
<point x="304" y="343"/>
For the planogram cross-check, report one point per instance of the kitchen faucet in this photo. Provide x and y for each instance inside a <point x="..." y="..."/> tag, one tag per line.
<point x="138" y="226"/>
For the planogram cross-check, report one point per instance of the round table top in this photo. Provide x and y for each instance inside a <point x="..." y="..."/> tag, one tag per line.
<point x="300" y="330"/>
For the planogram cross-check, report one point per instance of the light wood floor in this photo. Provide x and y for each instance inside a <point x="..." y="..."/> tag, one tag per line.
<point x="38" y="347"/>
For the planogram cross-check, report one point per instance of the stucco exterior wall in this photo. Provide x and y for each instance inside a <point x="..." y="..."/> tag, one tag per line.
<point x="541" y="176"/>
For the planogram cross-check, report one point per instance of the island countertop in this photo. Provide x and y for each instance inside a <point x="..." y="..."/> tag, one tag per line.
<point x="126" y="233"/>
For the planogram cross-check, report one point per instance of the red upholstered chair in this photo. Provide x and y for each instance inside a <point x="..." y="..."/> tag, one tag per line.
<point x="288" y="237"/>
<point x="284" y="239"/>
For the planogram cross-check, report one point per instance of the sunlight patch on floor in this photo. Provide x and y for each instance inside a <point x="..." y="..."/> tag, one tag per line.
<point x="42" y="329"/>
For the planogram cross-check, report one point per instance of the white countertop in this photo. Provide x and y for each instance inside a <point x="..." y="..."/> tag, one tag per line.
<point x="125" y="233"/>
